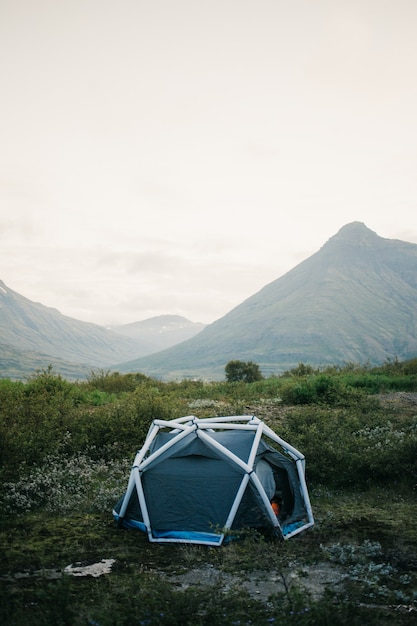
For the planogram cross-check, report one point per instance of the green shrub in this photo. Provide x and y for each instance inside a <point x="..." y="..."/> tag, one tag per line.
<point x="301" y="370"/>
<point x="350" y="447"/>
<point x="34" y="417"/>
<point x="114" y="382"/>
<point x="247" y="372"/>
<point x="338" y="426"/>
<point x="318" y="389"/>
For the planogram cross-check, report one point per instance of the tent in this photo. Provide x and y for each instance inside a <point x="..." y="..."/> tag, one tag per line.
<point x="198" y="480"/>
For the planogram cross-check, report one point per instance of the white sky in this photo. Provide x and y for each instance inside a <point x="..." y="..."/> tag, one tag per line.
<point x="175" y="156"/>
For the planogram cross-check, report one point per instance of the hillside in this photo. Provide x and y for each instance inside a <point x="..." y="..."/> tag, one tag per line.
<point x="33" y="333"/>
<point x="33" y="336"/>
<point x="355" y="300"/>
<point x="22" y="364"/>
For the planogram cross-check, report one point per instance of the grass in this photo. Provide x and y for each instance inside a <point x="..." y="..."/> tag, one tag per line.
<point x="357" y="565"/>
<point x="36" y="547"/>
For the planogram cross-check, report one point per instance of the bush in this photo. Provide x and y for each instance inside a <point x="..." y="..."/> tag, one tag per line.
<point x="350" y="447"/>
<point x="33" y="417"/>
<point x="318" y="389"/>
<point x="36" y="417"/>
<point x="345" y="436"/>
<point x="65" y="483"/>
<point x="247" y="372"/>
<point x="301" y="370"/>
<point x="114" y="382"/>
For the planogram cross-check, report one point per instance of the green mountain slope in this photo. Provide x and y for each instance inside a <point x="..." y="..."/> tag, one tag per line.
<point x="21" y="364"/>
<point x="355" y="300"/>
<point x="33" y="336"/>
<point x="32" y="328"/>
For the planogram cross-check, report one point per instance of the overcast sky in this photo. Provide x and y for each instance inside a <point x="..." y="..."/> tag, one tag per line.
<point x="175" y="156"/>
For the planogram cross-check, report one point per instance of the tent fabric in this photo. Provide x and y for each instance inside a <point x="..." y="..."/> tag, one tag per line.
<point x="194" y="480"/>
<point x="266" y="476"/>
<point x="199" y="484"/>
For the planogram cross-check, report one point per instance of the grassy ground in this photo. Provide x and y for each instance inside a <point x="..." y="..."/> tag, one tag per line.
<point x="357" y="565"/>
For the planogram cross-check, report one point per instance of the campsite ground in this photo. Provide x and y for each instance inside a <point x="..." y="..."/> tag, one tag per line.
<point x="357" y="565"/>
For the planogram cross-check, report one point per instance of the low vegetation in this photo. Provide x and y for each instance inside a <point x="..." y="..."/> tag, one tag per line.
<point x="65" y="455"/>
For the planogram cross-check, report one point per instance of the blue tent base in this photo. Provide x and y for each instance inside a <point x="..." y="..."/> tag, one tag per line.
<point x="291" y="528"/>
<point x="188" y="537"/>
<point x="173" y="536"/>
<point x="130" y="523"/>
<point x="184" y="536"/>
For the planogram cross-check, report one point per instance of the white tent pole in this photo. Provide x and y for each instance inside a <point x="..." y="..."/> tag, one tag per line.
<point x="142" y="502"/>
<point x="153" y="430"/>
<point x="298" y="530"/>
<point x="237" y="501"/>
<point x="225" y="426"/>
<point x="170" y="424"/>
<point x="300" y="468"/>
<point x="180" y="420"/>
<point x="166" y="446"/>
<point x="228" y="418"/>
<point x="265" y="499"/>
<point x="296" y="454"/>
<point x="151" y="436"/>
<point x="128" y="493"/>
<point x="224" y="451"/>
<point x="255" y="445"/>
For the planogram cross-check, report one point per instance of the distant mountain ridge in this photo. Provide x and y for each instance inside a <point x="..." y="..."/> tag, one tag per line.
<point x="33" y="336"/>
<point x="355" y="300"/>
<point x="160" y="332"/>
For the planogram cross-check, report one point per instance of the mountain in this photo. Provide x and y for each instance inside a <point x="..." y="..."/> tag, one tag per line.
<point x="33" y="336"/>
<point x="33" y="333"/>
<point x="160" y="332"/>
<point x="20" y="364"/>
<point x="353" y="301"/>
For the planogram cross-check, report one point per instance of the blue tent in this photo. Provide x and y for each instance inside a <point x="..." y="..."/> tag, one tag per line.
<point x="197" y="480"/>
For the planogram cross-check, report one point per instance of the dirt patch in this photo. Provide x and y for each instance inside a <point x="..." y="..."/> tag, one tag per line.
<point x="261" y="584"/>
<point x="397" y="399"/>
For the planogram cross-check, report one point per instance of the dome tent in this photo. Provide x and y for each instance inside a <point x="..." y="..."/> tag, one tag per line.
<point x="195" y="480"/>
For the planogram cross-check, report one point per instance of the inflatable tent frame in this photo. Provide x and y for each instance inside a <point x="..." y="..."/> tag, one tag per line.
<point x="212" y="437"/>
